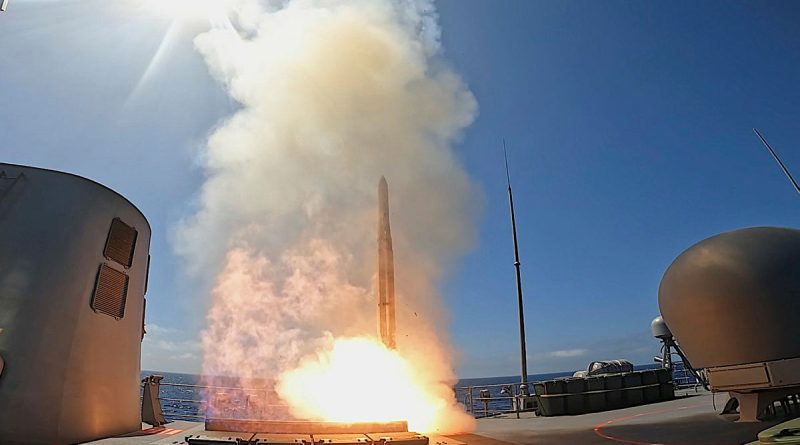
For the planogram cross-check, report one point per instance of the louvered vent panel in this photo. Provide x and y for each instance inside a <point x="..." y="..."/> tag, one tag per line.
<point x="110" y="292"/>
<point x="120" y="243"/>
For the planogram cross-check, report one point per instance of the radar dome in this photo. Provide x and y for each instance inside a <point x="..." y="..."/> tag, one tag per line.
<point x="734" y="298"/>
<point x="660" y="329"/>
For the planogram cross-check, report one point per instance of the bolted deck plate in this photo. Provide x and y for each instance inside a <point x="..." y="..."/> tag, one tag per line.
<point x="406" y="438"/>
<point x="227" y="438"/>
<point x="219" y="438"/>
<point x="341" y="439"/>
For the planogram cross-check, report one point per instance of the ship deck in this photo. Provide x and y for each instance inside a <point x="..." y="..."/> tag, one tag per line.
<point x="688" y="420"/>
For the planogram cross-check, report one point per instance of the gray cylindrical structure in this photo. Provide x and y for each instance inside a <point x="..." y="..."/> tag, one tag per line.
<point x="73" y="271"/>
<point x="734" y="298"/>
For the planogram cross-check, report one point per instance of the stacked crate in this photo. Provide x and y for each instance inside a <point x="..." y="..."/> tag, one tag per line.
<point x="580" y="395"/>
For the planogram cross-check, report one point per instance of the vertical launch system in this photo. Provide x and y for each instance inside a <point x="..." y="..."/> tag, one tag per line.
<point x="386" y="302"/>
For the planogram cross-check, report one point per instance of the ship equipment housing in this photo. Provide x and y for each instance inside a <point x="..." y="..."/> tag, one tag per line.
<point x="73" y="274"/>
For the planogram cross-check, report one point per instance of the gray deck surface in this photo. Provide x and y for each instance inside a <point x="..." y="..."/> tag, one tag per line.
<point x="689" y="420"/>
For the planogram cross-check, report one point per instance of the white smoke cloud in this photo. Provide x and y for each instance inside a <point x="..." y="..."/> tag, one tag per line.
<point x="333" y="95"/>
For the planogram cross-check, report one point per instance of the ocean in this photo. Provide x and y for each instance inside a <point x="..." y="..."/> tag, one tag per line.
<point x="184" y="403"/>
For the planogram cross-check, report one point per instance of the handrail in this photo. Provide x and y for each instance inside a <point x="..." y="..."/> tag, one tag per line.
<point x="470" y="397"/>
<point x="180" y="400"/>
<point x="506" y="402"/>
<point x="493" y="385"/>
<point x="165" y="407"/>
<point x="486" y="406"/>
<point x="233" y="388"/>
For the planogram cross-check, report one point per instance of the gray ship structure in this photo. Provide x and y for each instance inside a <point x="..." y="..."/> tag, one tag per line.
<point x="73" y="274"/>
<point x="732" y="302"/>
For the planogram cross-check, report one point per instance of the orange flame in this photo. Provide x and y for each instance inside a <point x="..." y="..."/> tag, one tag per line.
<point x="360" y="380"/>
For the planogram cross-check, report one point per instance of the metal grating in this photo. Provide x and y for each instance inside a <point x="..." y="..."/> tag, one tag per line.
<point x="110" y="292"/>
<point x="120" y="243"/>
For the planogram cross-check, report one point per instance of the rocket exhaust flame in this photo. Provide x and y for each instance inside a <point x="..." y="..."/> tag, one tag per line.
<point x="386" y="303"/>
<point x="332" y="92"/>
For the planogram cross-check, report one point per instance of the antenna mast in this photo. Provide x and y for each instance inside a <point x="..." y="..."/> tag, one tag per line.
<point x="778" y="160"/>
<point x="523" y="387"/>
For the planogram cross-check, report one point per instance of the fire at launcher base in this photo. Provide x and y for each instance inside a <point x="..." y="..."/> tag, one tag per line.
<point x="248" y="438"/>
<point x="295" y="432"/>
<point x="280" y="432"/>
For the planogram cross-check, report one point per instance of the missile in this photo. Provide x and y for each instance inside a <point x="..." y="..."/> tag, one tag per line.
<point x="3" y="5"/>
<point x="386" y="302"/>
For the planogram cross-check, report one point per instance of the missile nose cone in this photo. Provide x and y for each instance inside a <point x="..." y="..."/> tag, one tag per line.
<point x="383" y="195"/>
<point x="383" y="209"/>
<point x="383" y="187"/>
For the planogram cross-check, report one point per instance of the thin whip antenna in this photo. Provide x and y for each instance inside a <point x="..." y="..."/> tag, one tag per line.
<point x="505" y="155"/>
<point x="778" y="160"/>
<point x="523" y="387"/>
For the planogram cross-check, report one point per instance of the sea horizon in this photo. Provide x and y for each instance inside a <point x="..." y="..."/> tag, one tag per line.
<point x="194" y="379"/>
<point x="467" y="381"/>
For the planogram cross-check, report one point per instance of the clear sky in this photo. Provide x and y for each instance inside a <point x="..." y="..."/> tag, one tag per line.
<point x="629" y="128"/>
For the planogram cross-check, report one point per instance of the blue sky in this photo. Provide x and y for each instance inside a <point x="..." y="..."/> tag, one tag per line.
<point x="628" y="126"/>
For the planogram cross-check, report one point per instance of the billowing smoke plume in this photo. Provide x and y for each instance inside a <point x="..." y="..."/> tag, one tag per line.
<point x="333" y="95"/>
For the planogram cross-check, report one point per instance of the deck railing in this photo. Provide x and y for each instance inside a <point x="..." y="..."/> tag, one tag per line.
<point x="189" y="401"/>
<point x="490" y="400"/>
<point x="684" y="378"/>
<point x="181" y="408"/>
<point x="504" y="398"/>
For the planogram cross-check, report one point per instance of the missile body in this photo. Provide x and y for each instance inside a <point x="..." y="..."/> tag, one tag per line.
<point x="386" y="302"/>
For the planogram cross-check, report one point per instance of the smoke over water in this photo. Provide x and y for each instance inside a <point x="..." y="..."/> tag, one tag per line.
<point x="333" y="95"/>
